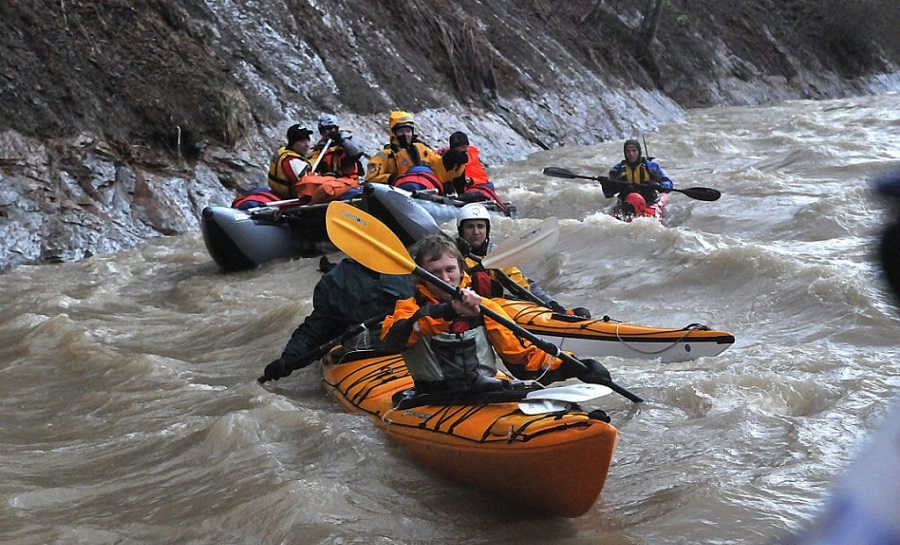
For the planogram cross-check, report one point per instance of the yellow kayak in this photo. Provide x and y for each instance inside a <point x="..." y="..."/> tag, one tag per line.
<point x="554" y="462"/>
<point x="604" y="337"/>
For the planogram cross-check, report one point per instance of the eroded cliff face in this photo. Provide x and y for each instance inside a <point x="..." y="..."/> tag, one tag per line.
<point x="122" y="120"/>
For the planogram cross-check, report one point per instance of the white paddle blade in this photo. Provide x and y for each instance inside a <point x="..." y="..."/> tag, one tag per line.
<point x="533" y="243"/>
<point x="576" y="393"/>
<point x="542" y="406"/>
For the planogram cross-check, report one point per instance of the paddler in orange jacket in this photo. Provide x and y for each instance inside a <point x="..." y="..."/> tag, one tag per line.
<point x="342" y="157"/>
<point x="405" y="151"/>
<point x="449" y="346"/>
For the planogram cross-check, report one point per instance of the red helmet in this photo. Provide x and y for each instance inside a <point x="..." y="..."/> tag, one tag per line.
<point x="637" y="201"/>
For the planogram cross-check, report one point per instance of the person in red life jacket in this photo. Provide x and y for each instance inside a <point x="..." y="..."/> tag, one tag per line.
<point x="637" y="171"/>
<point x="449" y="345"/>
<point x="408" y="162"/>
<point x="342" y="158"/>
<point x="473" y="184"/>
<point x="289" y="162"/>
<point x="473" y="223"/>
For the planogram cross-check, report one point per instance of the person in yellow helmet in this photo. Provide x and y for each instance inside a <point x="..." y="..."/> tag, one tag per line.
<point x="407" y="161"/>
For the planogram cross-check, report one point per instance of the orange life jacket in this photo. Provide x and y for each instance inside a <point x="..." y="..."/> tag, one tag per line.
<point x="334" y="159"/>
<point x="315" y="188"/>
<point x="475" y="173"/>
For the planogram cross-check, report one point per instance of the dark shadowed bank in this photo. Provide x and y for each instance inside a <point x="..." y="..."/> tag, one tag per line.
<point x="121" y="120"/>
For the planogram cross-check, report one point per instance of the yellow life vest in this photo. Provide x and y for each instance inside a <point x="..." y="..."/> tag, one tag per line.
<point x="278" y="180"/>
<point x="639" y="174"/>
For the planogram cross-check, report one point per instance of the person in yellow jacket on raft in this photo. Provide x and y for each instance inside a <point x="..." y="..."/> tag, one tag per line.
<point x="449" y="345"/>
<point x="408" y="163"/>
<point x="473" y="224"/>
<point x="289" y="162"/>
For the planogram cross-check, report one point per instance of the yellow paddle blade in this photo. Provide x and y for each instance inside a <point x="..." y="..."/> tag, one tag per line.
<point x="364" y="238"/>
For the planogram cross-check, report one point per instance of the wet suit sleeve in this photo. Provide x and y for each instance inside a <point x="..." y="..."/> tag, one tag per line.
<point x="539" y="292"/>
<point x="659" y="176"/>
<point x="325" y="322"/>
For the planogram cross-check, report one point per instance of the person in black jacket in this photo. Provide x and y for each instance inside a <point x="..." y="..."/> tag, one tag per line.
<point x="349" y="294"/>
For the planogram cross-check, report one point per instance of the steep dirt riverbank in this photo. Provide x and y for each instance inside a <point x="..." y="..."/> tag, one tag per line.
<point x="122" y="120"/>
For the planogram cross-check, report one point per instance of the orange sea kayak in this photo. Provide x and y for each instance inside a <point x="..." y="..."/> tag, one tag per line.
<point x="555" y="462"/>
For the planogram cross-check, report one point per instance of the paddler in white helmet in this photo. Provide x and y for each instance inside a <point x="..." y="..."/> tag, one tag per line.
<point x="473" y="224"/>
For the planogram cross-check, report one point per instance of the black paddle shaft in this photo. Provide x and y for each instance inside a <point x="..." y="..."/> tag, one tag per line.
<point x="699" y="193"/>
<point x="322" y="349"/>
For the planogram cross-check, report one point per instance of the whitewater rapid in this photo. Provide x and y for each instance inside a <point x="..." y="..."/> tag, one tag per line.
<point x="132" y="415"/>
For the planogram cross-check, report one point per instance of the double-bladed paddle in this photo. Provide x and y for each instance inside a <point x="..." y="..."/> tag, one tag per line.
<point x="559" y="398"/>
<point x="699" y="193"/>
<point x="364" y="238"/>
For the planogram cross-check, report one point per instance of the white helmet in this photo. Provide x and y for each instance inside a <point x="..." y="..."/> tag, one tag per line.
<point x="473" y="211"/>
<point x="328" y="120"/>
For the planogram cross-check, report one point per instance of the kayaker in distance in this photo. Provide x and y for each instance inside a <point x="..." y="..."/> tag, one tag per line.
<point x="289" y="162"/>
<point x="342" y="158"/>
<point x="473" y="223"/>
<point x="449" y="346"/>
<point x="636" y="170"/>
<point x="408" y="162"/>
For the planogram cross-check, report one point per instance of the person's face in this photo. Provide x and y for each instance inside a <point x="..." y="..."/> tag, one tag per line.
<point x="475" y="232"/>
<point x="327" y="129"/>
<point x="404" y="132"/>
<point x="301" y="147"/>
<point x="631" y="154"/>
<point x="446" y="268"/>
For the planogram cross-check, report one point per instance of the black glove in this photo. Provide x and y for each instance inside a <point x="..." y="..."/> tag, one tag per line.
<point x="277" y="369"/>
<point x="463" y="246"/>
<point x="453" y="159"/>
<point x="335" y="136"/>
<point x="556" y="307"/>
<point x="595" y="372"/>
<point x="609" y="189"/>
<point x="581" y="312"/>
